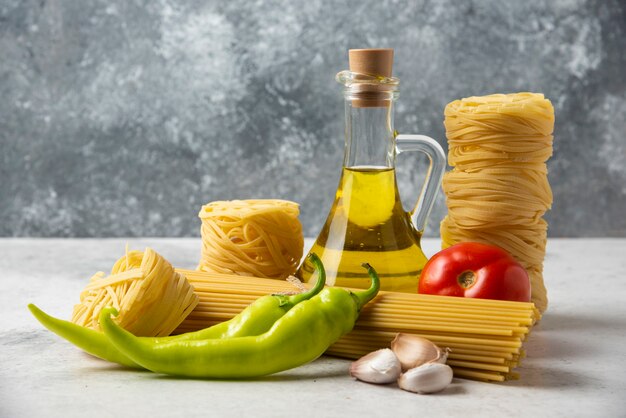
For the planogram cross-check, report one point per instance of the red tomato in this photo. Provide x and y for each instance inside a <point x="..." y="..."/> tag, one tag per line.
<point x="475" y="270"/>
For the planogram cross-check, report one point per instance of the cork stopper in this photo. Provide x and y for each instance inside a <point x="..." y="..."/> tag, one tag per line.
<point x="377" y="62"/>
<point x="373" y="63"/>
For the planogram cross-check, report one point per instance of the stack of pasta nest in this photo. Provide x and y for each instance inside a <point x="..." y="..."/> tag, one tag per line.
<point x="485" y="336"/>
<point x="498" y="190"/>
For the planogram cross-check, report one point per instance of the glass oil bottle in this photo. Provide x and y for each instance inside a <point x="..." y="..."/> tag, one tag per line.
<point x="367" y="222"/>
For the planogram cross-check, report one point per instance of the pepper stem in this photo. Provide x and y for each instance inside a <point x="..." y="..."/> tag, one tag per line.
<point x="366" y="295"/>
<point x="319" y="284"/>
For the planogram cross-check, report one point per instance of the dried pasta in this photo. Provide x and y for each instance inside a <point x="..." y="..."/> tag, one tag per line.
<point x="151" y="297"/>
<point x="260" y="238"/>
<point x="498" y="190"/>
<point x="485" y="336"/>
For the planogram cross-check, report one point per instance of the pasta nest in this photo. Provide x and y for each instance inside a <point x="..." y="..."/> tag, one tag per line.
<point x="151" y="297"/>
<point x="261" y="238"/>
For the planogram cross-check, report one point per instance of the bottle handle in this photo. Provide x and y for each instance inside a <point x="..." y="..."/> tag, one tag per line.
<point x="437" y="166"/>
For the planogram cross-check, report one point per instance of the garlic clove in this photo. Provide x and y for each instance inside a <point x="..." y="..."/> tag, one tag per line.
<point x="427" y="378"/>
<point x="381" y="366"/>
<point x="413" y="351"/>
<point x="443" y="358"/>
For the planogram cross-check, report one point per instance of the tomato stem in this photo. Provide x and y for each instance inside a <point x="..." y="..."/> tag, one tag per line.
<point x="466" y="279"/>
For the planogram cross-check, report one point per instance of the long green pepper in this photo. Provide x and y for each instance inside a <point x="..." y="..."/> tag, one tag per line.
<point x="255" y="319"/>
<point x="300" y="336"/>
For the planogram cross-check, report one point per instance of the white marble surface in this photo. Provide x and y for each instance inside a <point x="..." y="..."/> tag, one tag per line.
<point x="576" y="363"/>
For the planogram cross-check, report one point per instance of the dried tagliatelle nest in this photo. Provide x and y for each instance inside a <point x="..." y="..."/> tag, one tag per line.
<point x="260" y="238"/>
<point x="151" y="297"/>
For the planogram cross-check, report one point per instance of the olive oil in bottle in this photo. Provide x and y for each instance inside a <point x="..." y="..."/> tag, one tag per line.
<point x="368" y="224"/>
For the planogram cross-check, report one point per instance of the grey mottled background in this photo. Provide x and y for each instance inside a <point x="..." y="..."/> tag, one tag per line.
<point x="122" y="118"/>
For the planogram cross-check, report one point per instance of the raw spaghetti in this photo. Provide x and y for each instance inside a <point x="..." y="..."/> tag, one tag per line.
<point x="261" y="238"/>
<point x="498" y="190"/>
<point x="485" y="336"/>
<point x="151" y="297"/>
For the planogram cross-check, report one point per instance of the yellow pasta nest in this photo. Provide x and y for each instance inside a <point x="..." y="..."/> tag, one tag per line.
<point x="261" y="238"/>
<point x="152" y="298"/>
<point x="498" y="190"/>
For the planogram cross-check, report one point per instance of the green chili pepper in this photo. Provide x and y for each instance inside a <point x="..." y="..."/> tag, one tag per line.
<point x="89" y="340"/>
<point x="258" y="317"/>
<point x="255" y="319"/>
<point x="301" y="336"/>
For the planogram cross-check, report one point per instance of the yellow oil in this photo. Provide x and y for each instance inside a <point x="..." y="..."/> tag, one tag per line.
<point x="368" y="224"/>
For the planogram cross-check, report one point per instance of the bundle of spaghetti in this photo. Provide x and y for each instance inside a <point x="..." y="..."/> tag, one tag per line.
<point x="485" y="336"/>
<point x="151" y="297"/>
<point x="261" y="238"/>
<point x="498" y="190"/>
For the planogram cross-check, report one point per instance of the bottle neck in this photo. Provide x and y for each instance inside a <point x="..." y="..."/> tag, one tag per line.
<point x="370" y="135"/>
